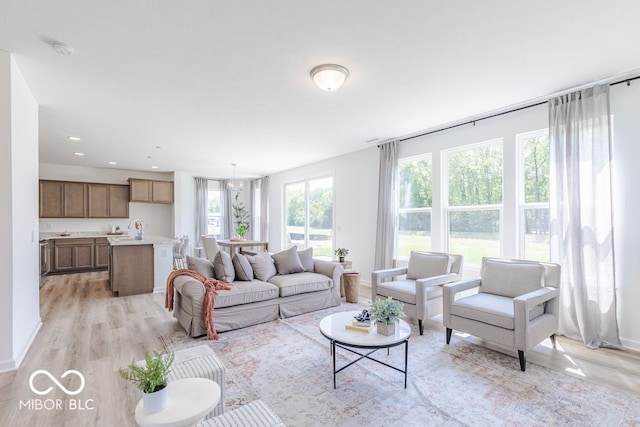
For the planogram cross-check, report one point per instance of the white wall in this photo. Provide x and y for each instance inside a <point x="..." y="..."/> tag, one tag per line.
<point x="158" y="218"/>
<point x="355" y="204"/>
<point x="19" y="305"/>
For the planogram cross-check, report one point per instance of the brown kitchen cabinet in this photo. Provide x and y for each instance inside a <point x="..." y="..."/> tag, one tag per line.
<point x="101" y="253"/>
<point x="108" y="201"/>
<point x="78" y="254"/>
<point x="131" y="269"/>
<point x="65" y="199"/>
<point x="72" y="255"/>
<point x="151" y="191"/>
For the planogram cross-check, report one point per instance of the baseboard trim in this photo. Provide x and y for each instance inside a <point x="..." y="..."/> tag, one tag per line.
<point x="630" y="344"/>
<point x="13" y="364"/>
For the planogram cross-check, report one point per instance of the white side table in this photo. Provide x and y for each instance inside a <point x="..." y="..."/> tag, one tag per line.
<point x="189" y="401"/>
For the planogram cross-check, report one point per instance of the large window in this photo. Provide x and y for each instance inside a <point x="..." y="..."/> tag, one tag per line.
<point x="474" y="204"/>
<point x="414" y="200"/>
<point x="534" y="195"/>
<point x="213" y="209"/>
<point x="309" y="215"/>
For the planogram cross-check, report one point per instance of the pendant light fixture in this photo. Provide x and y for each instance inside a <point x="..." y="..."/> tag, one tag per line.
<point x="231" y="185"/>
<point x="329" y="77"/>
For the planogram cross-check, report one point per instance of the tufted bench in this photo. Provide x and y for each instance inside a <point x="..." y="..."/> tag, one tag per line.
<point x="200" y="362"/>
<point x="254" y="414"/>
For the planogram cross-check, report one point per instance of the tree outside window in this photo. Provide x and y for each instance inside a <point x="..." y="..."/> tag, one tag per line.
<point x="415" y="200"/>
<point x="309" y="215"/>
<point x="474" y="204"/>
<point x="534" y="203"/>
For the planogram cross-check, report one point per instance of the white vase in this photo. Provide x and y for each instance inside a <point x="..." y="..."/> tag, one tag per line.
<point x="386" y="328"/>
<point x="156" y="401"/>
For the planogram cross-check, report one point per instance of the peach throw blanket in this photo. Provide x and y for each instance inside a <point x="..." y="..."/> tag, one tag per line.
<point x="211" y="286"/>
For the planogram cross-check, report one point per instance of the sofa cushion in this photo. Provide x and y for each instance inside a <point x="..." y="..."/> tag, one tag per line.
<point x="263" y="266"/>
<point x="491" y="309"/>
<point x="242" y="267"/>
<point x="306" y="259"/>
<point x="425" y="264"/>
<point x="300" y="283"/>
<point x="245" y="293"/>
<point x="288" y="261"/>
<point x="510" y="279"/>
<point x="200" y="265"/>
<point x="223" y="267"/>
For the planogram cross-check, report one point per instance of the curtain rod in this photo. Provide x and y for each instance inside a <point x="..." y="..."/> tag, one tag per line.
<point x="627" y="81"/>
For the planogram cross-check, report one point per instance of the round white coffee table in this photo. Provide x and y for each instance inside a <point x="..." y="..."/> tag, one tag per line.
<point x="189" y="401"/>
<point x="333" y="328"/>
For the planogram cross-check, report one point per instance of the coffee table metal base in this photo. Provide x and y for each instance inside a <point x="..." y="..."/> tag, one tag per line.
<point x="350" y="348"/>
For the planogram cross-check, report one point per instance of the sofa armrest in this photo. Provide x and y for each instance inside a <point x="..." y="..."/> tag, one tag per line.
<point x="189" y="287"/>
<point x="524" y="303"/>
<point x="329" y="269"/>
<point x="449" y="292"/>
<point x="378" y="276"/>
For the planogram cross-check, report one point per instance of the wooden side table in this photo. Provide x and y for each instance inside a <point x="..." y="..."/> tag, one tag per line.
<point x="189" y="401"/>
<point x="351" y="286"/>
<point x="347" y="266"/>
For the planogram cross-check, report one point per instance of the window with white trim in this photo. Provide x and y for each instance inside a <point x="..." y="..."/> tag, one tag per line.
<point x="213" y="209"/>
<point x="533" y="148"/>
<point x="309" y="215"/>
<point x="415" y="197"/>
<point x="473" y="200"/>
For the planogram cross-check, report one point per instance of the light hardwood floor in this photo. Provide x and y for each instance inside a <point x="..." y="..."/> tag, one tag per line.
<point x="86" y="329"/>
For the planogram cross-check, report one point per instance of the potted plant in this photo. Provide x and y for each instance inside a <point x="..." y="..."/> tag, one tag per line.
<point x="151" y="378"/>
<point x="341" y="253"/>
<point x="241" y="218"/>
<point x="386" y="313"/>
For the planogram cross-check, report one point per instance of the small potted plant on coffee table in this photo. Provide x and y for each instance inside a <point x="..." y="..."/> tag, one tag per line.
<point x="341" y="253"/>
<point x="386" y="313"/>
<point x="151" y="378"/>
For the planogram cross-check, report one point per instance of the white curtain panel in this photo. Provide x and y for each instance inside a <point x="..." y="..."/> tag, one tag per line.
<point x="581" y="215"/>
<point x="202" y="192"/>
<point x="260" y="209"/>
<point x="387" y="206"/>
<point x="226" y="210"/>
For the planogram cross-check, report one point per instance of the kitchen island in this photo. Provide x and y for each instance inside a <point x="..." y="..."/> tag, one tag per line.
<point x="139" y="266"/>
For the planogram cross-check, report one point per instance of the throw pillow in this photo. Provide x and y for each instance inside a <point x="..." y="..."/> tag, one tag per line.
<point x="288" y="261"/>
<point x="511" y="279"/>
<point x="223" y="267"/>
<point x="427" y="264"/>
<point x="201" y="265"/>
<point x="263" y="266"/>
<point x="306" y="259"/>
<point x="242" y="267"/>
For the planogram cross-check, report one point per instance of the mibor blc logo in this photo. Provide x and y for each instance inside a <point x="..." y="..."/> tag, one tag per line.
<point x="56" y="404"/>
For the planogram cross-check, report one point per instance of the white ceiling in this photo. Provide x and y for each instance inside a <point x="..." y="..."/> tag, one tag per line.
<point x="217" y="82"/>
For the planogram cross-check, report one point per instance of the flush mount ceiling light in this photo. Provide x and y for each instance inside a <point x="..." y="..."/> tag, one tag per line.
<point x="61" y="48"/>
<point x="73" y="138"/>
<point x="329" y="77"/>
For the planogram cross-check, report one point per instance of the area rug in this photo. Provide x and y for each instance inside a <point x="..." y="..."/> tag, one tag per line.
<point x="287" y="363"/>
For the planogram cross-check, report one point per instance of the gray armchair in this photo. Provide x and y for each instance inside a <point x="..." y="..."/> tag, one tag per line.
<point x="516" y="304"/>
<point x="421" y="289"/>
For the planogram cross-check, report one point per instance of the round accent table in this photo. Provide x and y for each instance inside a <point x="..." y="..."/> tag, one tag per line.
<point x="189" y="401"/>
<point x="333" y="328"/>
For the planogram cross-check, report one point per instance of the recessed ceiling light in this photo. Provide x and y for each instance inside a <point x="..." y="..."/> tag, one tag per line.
<point x="154" y="167"/>
<point x="113" y="163"/>
<point x="73" y="138"/>
<point x="77" y="153"/>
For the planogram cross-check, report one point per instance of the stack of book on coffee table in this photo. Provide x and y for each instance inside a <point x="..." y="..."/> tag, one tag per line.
<point x="361" y="322"/>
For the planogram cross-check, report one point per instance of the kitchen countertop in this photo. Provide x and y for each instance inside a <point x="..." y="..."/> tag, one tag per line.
<point x="77" y="235"/>
<point x="114" y="239"/>
<point x="147" y="240"/>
